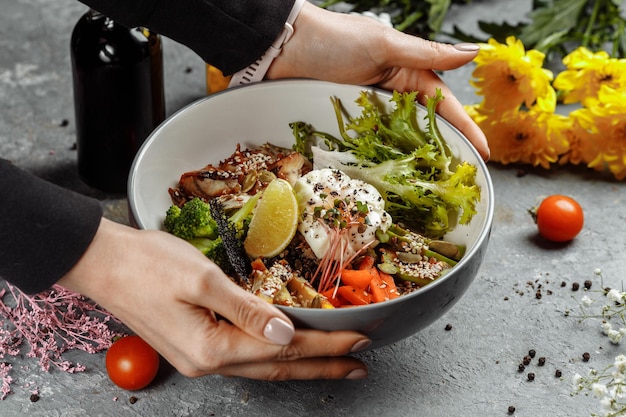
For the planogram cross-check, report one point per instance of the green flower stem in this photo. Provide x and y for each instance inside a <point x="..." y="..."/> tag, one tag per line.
<point x="592" y="21"/>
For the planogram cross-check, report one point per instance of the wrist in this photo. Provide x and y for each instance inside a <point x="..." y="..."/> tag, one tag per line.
<point x="256" y="71"/>
<point x="94" y="271"/>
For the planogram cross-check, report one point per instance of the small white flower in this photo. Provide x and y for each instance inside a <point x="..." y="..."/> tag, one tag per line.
<point x="620" y="362"/>
<point x="615" y="296"/>
<point x="607" y="403"/>
<point x="577" y="381"/>
<point x="618" y="378"/>
<point x="606" y="327"/>
<point x="597" y="271"/>
<point x="615" y="336"/>
<point x="586" y="301"/>
<point x="616" y="393"/>
<point x="599" y="390"/>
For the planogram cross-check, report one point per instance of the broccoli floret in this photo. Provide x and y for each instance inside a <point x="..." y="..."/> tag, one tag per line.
<point x="194" y="223"/>
<point x="191" y="220"/>
<point x="171" y="217"/>
<point x="215" y="250"/>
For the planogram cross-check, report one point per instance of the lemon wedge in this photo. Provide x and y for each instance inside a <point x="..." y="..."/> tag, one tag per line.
<point x="274" y="222"/>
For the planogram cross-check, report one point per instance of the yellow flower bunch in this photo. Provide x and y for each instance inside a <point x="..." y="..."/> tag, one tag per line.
<point x="519" y="116"/>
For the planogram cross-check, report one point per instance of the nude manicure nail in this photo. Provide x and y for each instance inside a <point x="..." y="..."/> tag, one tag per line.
<point x="360" y="345"/>
<point x="279" y="331"/>
<point x="466" y="47"/>
<point x="356" y="374"/>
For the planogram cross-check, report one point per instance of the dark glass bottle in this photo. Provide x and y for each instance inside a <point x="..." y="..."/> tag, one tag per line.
<point x="118" y="97"/>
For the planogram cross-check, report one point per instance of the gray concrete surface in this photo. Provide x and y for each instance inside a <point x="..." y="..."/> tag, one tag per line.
<point x="469" y="370"/>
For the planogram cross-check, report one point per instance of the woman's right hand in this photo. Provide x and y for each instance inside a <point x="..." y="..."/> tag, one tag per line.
<point x="350" y="49"/>
<point x="172" y="296"/>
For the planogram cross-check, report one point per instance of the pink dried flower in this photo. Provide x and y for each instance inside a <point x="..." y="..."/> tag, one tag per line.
<point x="49" y="324"/>
<point x="5" y="368"/>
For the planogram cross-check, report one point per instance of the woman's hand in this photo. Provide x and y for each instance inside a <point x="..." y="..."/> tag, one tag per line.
<point x="172" y="296"/>
<point x="359" y="50"/>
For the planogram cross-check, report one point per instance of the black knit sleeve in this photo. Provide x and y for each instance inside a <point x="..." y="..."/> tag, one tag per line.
<point x="228" y="34"/>
<point x="44" y="229"/>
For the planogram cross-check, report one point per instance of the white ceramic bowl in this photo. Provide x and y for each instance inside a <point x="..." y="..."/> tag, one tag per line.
<point x="208" y="130"/>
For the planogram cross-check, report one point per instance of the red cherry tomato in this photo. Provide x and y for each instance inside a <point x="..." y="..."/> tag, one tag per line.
<point x="559" y="218"/>
<point x="132" y="363"/>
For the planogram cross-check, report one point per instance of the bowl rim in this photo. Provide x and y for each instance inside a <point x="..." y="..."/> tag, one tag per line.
<point x="295" y="82"/>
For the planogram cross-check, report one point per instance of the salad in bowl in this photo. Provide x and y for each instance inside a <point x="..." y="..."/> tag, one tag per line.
<point x="347" y="207"/>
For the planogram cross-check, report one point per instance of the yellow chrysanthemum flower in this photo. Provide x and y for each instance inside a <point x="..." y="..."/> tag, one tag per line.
<point x="508" y="76"/>
<point x="529" y="137"/>
<point x="579" y="144"/>
<point x="586" y="72"/>
<point x="604" y="121"/>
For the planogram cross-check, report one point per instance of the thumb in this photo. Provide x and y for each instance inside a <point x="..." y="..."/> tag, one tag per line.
<point x="415" y="52"/>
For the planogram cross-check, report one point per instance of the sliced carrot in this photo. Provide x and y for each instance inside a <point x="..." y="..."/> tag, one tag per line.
<point x="258" y="265"/>
<point x="357" y="278"/>
<point x="367" y="262"/>
<point x="383" y="288"/>
<point x="336" y="301"/>
<point x="355" y="296"/>
<point x="378" y="289"/>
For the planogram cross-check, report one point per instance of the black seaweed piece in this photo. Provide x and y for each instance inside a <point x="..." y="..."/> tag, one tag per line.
<point x="232" y="243"/>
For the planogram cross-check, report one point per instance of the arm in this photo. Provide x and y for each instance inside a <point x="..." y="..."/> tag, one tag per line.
<point x="159" y="286"/>
<point x="139" y="277"/>
<point x="44" y="229"/>
<point x="325" y="45"/>
<point x="229" y="34"/>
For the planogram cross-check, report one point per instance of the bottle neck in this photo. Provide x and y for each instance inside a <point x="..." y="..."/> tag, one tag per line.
<point x="94" y="14"/>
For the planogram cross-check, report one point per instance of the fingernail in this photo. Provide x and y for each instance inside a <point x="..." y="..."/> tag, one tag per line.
<point x="466" y="47"/>
<point x="279" y="331"/>
<point x="357" y="374"/>
<point x="360" y="345"/>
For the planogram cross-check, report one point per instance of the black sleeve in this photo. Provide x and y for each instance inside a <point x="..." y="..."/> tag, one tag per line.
<point x="228" y="34"/>
<point x="44" y="229"/>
